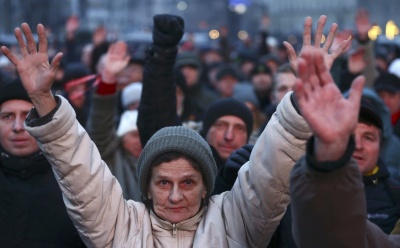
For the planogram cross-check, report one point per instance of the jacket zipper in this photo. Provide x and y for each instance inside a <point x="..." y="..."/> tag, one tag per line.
<point x="174" y="230"/>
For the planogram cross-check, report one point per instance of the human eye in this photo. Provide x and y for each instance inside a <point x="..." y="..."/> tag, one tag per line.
<point x="6" y="116"/>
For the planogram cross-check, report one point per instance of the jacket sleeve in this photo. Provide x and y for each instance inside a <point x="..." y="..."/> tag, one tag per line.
<point x="329" y="207"/>
<point x="157" y="107"/>
<point x="101" y="124"/>
<point x="92" y="195"/>
<point x="260" y="194"/>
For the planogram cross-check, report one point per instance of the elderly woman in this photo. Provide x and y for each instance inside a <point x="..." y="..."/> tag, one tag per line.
<point x="176" y="173"/>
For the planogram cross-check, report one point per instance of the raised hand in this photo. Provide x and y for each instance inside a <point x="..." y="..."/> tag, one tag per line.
<point x="168" y="30"/>
<point x="331" y="117"/>
<point x="328" y="58"/>
<point x="115" y="61"/>
<point x="36" y="74"/>
<point x="363" y="24"/>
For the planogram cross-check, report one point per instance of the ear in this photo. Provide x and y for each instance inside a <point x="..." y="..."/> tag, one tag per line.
<point x="203" y="195"/>
<point x="149" y="196"/>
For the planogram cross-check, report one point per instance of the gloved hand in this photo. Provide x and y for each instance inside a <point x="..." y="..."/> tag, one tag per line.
<point x="235" y="162"/>
<point x="168" y="30"/>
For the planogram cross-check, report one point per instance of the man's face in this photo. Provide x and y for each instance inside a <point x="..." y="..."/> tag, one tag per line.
<point x="391" y="99"/>
<point x="367" y="146"/>
<point x="131" y="143"/>
<point x="191" y="74"/>
<point x="225" y="85"/>
<point x="131" y="73"/>
<point x="262" y="82"/>
<point x="176" y="189"/>
<point x="227" y="134"/>
<point x="284" y="83"/>
<point x="13" y="136"/>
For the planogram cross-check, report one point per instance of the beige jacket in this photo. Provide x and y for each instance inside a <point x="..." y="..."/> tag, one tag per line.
<point x="247" y="216"/>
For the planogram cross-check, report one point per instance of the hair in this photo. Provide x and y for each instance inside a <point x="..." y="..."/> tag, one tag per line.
<point x="284" y="68"/>
<point x="369" y="122"/>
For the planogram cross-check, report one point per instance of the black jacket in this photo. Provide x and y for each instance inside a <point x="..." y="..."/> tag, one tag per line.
<point x="32" y="211"/>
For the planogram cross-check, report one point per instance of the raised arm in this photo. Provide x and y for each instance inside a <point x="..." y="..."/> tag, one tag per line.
<point x="101" y="120"/>
<point x="36" y="74"/>
<point x="157" y="107"/>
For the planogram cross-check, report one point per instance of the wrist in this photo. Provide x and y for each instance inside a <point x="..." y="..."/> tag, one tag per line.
<point x="108" y="77"/>
<point x="330" y="151"/>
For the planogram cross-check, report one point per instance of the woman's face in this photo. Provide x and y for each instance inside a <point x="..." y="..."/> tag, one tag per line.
<point x="176" y="189"/>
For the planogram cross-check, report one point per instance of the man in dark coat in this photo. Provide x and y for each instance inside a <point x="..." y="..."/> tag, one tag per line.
<point x="32" y="211"/>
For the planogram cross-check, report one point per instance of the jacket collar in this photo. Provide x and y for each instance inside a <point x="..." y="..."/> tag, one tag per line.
<point x="24" y="167"/>
<point x="159" y="225"/>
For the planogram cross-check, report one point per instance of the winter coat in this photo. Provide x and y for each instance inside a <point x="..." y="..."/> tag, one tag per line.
<point x="246" y="216"/>
<point x="32" y="211"/>
<point x="329" y="205"/>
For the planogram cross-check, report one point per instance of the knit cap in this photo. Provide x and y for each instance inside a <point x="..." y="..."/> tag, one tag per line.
<point x="177" y="139"/>
<point x="127" y="123"/>
<point x="227" y="106"/>
<point x="131" y="94"/>
<point x="13" y="90"/>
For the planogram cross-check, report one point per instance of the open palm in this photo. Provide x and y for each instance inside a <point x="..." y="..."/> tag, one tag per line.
<point x="328" y="58"/>
<point x="36" y="74"/>
<point x="329" y="115"/>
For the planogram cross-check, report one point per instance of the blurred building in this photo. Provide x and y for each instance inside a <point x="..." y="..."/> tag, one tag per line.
<point x="133" y="18"/>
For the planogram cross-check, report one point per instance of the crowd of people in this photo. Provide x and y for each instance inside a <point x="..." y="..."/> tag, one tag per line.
<point x="198" y="147"/>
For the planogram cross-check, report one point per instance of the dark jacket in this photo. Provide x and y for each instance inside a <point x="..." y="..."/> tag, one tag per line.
<point x="32" y="211"/>
<point x="329" y="205"/>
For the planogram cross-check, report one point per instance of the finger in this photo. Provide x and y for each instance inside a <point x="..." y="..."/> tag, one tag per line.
<point x="291" y="54"/>
<point x="121" y="48"/>
<point x="21" y="41"/>
<point x="307" y="31"/>
<point x="10" y="55"/>
<point x="324" y="76"/>
<point x="312" y="78"/>
<point x="318" y="33"/>
<point x="299" y="92"/>
<point x="331" y="36"/>
<point x="340" y="48"/>
<point x="42" y="38"/>
<point x="355" y="92"/>
<point x="302" y="71"/>
<point x="55" y="63"/>
<point x="29" y="38"/>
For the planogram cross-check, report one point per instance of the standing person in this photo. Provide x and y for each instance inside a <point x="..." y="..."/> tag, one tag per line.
<point x="327" y="180"/>
<point x="190" y="65"/>
<point x="176" y="172"/>
<point x="121" y="147"/>
<point x="388" y="88"/>
<point x="32" y="211"/>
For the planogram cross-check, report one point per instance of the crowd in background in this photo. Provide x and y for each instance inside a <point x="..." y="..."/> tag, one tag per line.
<point x="255" y="73"/>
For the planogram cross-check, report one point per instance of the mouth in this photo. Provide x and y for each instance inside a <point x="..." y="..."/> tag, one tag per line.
<point x="176" y="209"/>
<point x="358" y="158"/>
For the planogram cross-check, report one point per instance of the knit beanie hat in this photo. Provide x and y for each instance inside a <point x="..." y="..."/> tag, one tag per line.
<point x="227" y="106"/>
<point x="177" y="139"/>
<point x="127" y="122"/>
<point x="13" y="90"/>
<point x="131" y="94"/>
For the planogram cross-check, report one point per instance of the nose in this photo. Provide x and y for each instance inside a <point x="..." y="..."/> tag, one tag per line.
<point x="229" y="134"/>
<point x="175" y="194"/>
<point x="359" y="143"/>
<point x="18" y="125"/>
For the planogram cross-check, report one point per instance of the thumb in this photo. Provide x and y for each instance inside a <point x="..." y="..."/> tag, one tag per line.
<point x="356" y="89"/>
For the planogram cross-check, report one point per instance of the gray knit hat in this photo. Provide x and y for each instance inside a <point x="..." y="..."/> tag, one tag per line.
<point x="178" y="139"/>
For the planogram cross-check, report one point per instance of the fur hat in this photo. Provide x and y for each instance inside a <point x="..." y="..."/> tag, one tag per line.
<point x="178" y="139"/>
<point x="227" y="106"/>
<point x="127" y="122"/>
<point x="13" y="90"/>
